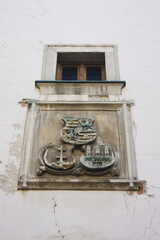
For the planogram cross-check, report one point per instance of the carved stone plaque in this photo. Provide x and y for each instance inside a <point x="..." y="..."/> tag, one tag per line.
<point x="78" y="146"/>
<point x="58" y="159"/>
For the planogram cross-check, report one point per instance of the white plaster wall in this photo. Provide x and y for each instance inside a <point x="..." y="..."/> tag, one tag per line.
<point x="26" y="25"/>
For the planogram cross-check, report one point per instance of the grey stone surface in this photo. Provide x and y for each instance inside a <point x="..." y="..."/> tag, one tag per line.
<point x="80" y="88"/>
<point x="44" y="126"/>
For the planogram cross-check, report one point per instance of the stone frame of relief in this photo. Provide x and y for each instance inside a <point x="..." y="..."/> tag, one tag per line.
<point x="78" y="146"/>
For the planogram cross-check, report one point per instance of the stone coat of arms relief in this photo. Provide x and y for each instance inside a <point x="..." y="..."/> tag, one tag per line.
<point x="78" y="133"/>
<point x="78" y="146"/>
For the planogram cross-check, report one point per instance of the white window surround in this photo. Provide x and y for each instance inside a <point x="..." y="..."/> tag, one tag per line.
<point x="50" y="59"/>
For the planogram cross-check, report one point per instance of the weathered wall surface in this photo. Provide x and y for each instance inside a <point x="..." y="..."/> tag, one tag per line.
<point x="25" y="27"/>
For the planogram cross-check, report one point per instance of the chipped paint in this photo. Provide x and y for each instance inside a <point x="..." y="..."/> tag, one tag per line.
<point x="16" y="126"/>
<point x="15" y="147"/>
<point x="8" y="180"/>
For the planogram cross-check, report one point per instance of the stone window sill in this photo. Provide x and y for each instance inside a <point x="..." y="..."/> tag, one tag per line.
<point x="101" y="88"/>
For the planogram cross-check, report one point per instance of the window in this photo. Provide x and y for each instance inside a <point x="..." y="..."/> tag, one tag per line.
<point x="80" y="63"/>
<point x="80" y="72"/>
<point x="93" y="65"/>
<point x="81" y="66"/>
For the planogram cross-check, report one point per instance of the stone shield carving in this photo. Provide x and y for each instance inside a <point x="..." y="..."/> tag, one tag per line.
<point x="78" y="131"/>
<point x="98" y="157"/>
<point x="59" y="159"/>
<point x="56" y="157"/>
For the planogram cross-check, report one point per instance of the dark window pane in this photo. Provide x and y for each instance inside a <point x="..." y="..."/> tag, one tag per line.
<point x="69" y="73"/>
<point x="94" y="73"/>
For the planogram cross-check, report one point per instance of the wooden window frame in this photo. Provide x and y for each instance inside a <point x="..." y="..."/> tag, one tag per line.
<point x="60" y="68"/>
<point x="95" y="65"/>
<point x="81" y="70"/>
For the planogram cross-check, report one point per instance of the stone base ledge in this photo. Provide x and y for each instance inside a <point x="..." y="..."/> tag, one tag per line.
<point x="116" y="184"/>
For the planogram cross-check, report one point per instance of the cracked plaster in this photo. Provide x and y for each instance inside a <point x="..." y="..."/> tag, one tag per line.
<point x="61" y="236"/>
<point x="26" y="27"/>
